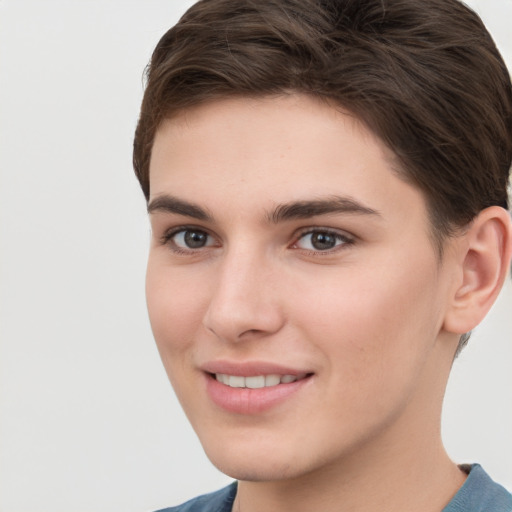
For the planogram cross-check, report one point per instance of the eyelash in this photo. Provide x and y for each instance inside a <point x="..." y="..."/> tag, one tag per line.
<point x="344" y="239"/>
<point x="168" y="239"/>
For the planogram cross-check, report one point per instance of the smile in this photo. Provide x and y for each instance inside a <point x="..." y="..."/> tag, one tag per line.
<point x="256" y="381"/>
<point x="254" y="393"/>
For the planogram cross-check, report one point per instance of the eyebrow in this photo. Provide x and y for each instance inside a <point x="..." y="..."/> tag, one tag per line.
<point x="283" y="212"/>
<point x="331" y="205"/>
<point x="171" y="204"/>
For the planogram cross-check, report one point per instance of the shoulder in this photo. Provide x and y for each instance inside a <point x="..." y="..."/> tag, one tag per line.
<point x="480" y="494"/>
<point x="218" y="501"/>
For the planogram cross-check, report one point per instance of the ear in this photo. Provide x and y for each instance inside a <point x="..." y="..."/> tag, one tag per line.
<point x="484" y="260"/>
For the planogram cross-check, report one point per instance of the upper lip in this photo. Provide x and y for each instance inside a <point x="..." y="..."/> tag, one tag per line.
<point x="250" y="368"/>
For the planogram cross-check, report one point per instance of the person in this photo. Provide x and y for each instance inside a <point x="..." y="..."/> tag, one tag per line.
<point x="327" y="189"/>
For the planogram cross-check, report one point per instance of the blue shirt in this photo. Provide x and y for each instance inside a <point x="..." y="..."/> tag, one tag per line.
<point x="478" y="494"/>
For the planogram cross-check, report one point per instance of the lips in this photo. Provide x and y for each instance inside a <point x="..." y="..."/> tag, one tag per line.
<point x="252" y="387"/>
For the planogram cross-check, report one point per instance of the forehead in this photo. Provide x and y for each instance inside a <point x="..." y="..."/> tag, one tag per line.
<point x="252" y="153"/>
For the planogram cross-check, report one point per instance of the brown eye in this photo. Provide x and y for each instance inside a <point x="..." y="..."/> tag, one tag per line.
<point x="192" y="239"/>
<point x="323" y="241"/>
<point x="319" y="240"/>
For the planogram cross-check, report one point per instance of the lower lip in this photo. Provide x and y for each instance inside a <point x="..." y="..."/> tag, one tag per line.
<point x="251" y="401"/>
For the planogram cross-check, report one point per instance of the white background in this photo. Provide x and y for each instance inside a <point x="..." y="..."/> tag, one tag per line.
<point x="88" y="420"/>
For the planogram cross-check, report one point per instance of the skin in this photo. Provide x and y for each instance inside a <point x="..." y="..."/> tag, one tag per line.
<point x="366" y="318"/>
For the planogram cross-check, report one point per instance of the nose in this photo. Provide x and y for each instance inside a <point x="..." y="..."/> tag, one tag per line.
<point x="244" y="302"/>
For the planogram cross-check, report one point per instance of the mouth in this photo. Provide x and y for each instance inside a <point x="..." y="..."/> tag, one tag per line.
<point x="253" y="388"/>
<point x="257" y="381"/>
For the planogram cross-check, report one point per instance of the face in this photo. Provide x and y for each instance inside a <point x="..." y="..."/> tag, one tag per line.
<point x="294" y="292"/>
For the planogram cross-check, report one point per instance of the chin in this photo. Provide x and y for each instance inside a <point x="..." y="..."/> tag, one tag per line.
<point x="272" y="460"/>
<point x="259" y="469"/>
<point x="254" y="458"/>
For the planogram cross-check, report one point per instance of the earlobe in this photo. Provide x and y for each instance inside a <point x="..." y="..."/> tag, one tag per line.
<point x="484" y="265"/>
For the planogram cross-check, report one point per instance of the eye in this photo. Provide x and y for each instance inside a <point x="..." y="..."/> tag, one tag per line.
<point x="189" y="239"/>
<point x="322" y="240"/>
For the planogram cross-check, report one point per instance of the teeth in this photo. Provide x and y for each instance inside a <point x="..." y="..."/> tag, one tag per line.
<point x="257" y="381"/>
<point x="272" y="380"/>
<point x="236" y="382"/>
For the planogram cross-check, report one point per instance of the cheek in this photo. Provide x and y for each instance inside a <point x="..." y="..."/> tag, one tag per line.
<point x="175" y="306"/>
<point x="375" y="339"/>
<point x="372" y="324"/>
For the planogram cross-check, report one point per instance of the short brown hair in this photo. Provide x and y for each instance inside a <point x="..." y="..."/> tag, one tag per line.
<point x="424" y="75"/>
